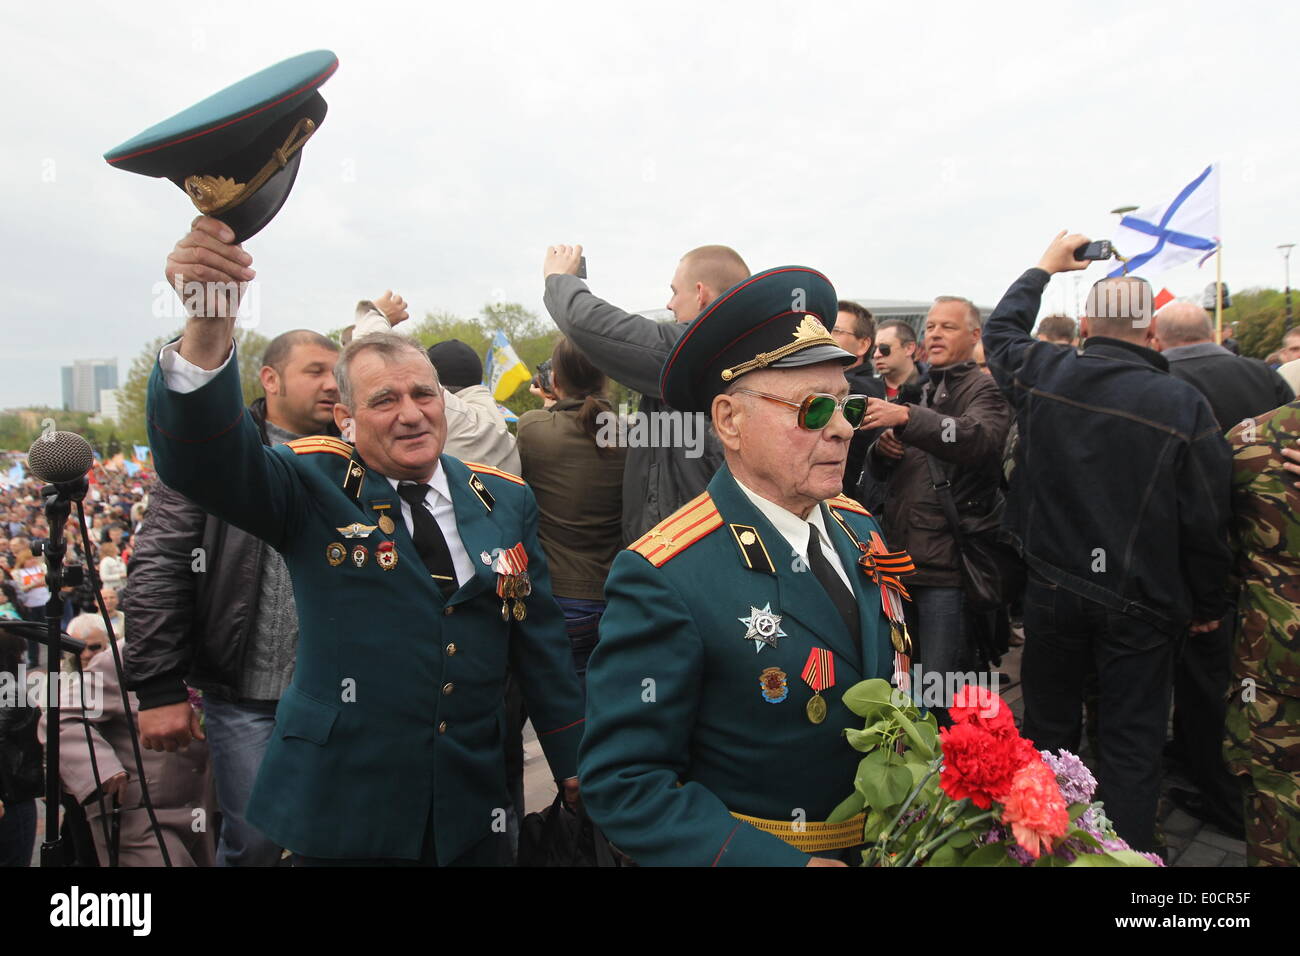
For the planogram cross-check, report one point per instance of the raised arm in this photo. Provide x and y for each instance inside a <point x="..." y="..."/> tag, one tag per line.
<point x="630" y="349"/>
<point x="206" y="445"/>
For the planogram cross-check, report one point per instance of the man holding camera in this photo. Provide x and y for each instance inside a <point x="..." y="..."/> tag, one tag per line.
<point x="631" y="350"/>
<point x="1119" y="506"/>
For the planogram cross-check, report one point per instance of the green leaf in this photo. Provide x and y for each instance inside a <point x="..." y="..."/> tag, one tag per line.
<point x="898" y="784"/>
<point x="849" y="807"/>
<point x="946" y="855"/>
<point x="1077" y="810"/>
<point x="869" y="697"/>
<point x="914" y="735"/>
<point x="993" y="855"/>
<point x="863" y="740"/>
<point x="960" y="839"/>
<point x="876" y="821"/>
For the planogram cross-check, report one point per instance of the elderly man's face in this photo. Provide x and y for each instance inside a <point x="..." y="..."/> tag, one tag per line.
<point x="792" y="466"/>
<point x="110" y="599"/>
<point x="399" y="422"/>
<point x="949" y="339"/>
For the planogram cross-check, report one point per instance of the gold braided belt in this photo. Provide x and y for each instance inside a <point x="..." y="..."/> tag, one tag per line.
<point x="812" y="837"/>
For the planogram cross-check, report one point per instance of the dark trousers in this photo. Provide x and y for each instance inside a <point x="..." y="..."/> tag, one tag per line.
<point x="492" y="850"/>
<point x="1202" y="681"/>
<point x="18" y="833"/>
<point x="1134" y="666"/>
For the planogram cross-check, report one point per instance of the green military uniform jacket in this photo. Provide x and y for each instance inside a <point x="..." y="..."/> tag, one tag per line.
<point x="684" y="725"/>
<point x="395" y="715"/>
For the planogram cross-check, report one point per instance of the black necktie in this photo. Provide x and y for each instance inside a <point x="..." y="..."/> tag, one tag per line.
<point x="428" y="539"/>
<point x="840" y="595"/>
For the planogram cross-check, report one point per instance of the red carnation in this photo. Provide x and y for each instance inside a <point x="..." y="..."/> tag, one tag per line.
<point x="972" y="704"/>
<point x="980" y="764"/>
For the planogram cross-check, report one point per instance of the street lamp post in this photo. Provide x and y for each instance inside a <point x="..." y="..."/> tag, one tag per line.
<point x="1286" y="248"/>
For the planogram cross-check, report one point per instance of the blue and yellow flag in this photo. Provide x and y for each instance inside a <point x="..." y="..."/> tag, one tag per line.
<point x="504" y="371"/>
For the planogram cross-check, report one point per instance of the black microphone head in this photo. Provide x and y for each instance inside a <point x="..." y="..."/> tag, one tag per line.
<point x="57" y="457"/>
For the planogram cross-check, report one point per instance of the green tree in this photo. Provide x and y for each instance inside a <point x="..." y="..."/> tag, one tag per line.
<point x="134" y="391"/>
<point x="1260" y="317"/>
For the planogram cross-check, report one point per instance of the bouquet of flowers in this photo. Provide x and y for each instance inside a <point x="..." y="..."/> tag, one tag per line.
<point x="973" y="794"/>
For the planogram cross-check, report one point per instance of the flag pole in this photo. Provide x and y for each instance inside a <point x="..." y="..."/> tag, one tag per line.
<point x="1218" y="294"/>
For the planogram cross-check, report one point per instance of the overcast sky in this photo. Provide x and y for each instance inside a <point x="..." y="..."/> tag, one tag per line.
<point x="904" y="150"/>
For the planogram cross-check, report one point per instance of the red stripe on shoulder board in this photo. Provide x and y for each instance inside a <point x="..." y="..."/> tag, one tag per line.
<point x="848" y="504"/>
<point x="482" y="469"/>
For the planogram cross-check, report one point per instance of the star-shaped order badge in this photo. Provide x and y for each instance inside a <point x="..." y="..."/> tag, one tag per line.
<point x="764" y="627"/>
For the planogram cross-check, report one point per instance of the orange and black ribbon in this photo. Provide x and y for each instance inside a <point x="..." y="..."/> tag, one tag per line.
<point x="819" y="672"/>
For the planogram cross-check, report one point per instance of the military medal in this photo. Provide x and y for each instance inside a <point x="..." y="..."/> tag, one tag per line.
<point x="819" y="674"/>
<point x="356" y="530"/>
<point x="386" y="555"/>
<point x="513" y="583"/>
<point x="775" y="685"/>
<point x="885" y="568"/>
<point x="359" y="555"/>
<point x="385" y="522"/>
<point x="764" y="627"/>
<point x="335" y="554"/>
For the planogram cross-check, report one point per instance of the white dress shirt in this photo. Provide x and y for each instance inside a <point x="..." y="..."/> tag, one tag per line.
<point x="181" y="375"/>
<point x="439" y="504"/>
<point x="795" y="531"/>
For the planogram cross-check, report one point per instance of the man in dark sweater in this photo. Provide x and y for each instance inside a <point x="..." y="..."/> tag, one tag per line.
<point x="1238" y="389"/>
<point x="212" y="607"/>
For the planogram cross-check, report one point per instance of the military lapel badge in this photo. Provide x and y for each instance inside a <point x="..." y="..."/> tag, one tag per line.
<point x="359" y="555"/>
<point x="385" y="521"/>
<point x="752" y="548"/>
<point x="819" y="674"/>
<point x="353" y="479"/>
<point x="335" y="554"/>
<point x="513" y="583"/>
<point x="356" y="530"/>
<point x="775" y="685"/>
<point x="476" y="485"/>
<point x="386" y="555"/>
<point x="764" y="627"/>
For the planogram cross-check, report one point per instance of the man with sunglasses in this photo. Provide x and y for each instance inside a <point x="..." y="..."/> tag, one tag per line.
<point x="946" y="442"/>
<point x="733" y="628"/>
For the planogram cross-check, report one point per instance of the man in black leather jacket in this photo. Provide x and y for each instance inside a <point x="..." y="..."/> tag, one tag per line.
<point x="212" y="607"/>
<point x="1119" y="505"/>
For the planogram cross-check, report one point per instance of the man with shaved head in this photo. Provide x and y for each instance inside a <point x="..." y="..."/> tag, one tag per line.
<point x="631" y="350"/>
<point x="1119" y="506"/>
<point x="1238" y="390"/>
<point x="1236" y="387"/>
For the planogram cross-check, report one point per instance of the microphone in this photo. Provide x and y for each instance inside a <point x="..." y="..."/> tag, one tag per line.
<point x="60" y="457"/>
<point x="35" y="631"/>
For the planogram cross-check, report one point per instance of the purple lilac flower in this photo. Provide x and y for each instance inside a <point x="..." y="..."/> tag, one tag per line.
<point x="1153" y="857"/>
<point x="1020" y="854"/>
<point x="1076" y="780"/>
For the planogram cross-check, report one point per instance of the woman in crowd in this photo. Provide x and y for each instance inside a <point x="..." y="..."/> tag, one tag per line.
<point x="578" y="482"/>
<point x="112" y="569"/>
<point x="179" y="783"/>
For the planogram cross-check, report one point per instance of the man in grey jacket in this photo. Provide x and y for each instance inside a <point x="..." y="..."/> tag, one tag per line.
<point x="659" y="476"/>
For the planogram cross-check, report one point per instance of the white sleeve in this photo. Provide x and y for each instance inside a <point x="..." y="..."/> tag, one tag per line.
<point x="182" y="375"/>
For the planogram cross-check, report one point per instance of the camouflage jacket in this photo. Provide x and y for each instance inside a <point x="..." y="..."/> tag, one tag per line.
<point x="1266" y="542"/>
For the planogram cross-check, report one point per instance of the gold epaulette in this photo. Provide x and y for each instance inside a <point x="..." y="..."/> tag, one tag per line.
<point x="845" y="503"/>
<point x="483" y="469"/>
<point x="320" y="443"/>
<point x="680" y="530"/>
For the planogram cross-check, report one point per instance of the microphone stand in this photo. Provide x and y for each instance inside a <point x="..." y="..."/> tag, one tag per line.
<point x="59" y="497"/>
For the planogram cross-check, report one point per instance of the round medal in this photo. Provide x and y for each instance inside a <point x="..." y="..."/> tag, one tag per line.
<point x="816" y="708"/>
<point x="335" y="554"/>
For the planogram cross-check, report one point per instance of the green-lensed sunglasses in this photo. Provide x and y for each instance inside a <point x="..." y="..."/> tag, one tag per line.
<point x="817" y="409"/>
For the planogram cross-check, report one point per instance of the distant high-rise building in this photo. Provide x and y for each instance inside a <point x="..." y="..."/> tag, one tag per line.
<point x="84" y="379"/>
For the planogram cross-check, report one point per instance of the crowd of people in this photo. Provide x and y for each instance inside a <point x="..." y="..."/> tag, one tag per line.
<point x="1117" y="494"/>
